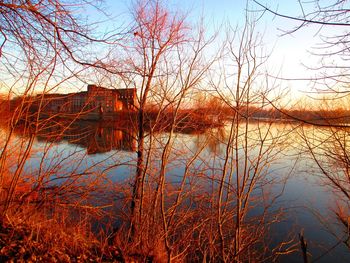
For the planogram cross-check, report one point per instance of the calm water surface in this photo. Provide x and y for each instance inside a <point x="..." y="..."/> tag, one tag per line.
<point x="109" y="153"/>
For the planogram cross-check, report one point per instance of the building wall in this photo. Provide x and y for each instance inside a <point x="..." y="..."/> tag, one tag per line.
<point x="96" y="100"/>
<point x="52" y="103"/>
<point x="128" y="98"/>
<point x="111" y="100"/>
<point x="77" y="102"/>
<point x="101" y="100"/>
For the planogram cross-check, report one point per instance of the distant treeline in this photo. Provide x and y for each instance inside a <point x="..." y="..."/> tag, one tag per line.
<point x="331" y="117"/>
<point x="207" y="115"/>
<point x="159" y="120"/>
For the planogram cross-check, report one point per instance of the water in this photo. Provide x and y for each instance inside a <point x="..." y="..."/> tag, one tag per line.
<point x="102" y="158"/>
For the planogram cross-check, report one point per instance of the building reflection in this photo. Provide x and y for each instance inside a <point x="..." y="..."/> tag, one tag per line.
<point x="95" y="137"/>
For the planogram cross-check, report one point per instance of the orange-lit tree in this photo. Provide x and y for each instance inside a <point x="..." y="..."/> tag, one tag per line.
<point x="40" y="51"/>
<point x="205" y="216"/>
<point x="164" y="60"/>
<point x="327" y="141"/>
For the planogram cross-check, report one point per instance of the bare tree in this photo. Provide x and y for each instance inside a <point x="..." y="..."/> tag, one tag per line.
<point x="331" y="23"/>
<point x="240" y="171"/>
<point x="157" y="33"/>
<point x="328" y="144"/>
<point x="40" y="51"/>
<point x="204" y="214"/>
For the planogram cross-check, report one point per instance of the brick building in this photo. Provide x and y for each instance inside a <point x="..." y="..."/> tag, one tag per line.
<point x="101" y="99"/>
<point x="96" y="100"/>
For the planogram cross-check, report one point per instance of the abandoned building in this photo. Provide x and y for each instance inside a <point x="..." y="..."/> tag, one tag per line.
<point x="95" y="101"/>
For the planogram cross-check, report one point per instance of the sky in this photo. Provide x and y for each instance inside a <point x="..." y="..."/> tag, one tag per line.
<point x="289" y="52"/>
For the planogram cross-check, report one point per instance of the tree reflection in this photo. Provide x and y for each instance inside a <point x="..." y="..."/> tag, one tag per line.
<point x="95" y="137"/>
<point x="328" y="147"/>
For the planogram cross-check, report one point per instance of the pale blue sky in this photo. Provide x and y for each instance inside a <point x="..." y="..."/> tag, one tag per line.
<point x="289" y="52"/>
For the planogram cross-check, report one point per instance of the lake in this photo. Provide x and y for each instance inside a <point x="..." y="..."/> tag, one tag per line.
<point x="278" y="175"/>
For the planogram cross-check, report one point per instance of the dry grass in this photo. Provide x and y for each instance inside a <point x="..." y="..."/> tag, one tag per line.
<point x="31" y="235"/>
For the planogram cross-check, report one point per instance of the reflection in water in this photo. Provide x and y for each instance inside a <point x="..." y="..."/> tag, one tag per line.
<point x="302" y="192"/>
<point x="96" y="137"/>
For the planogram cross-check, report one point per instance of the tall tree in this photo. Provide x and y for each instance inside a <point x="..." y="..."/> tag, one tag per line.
<point x="328" y="144"/>
<point x="157" y="33"/>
